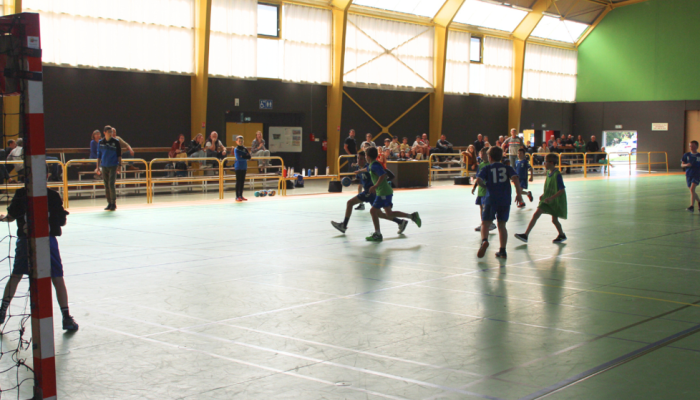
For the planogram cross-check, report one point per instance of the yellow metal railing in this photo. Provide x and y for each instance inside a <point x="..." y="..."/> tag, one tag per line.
<point x="225" y="177"/>
<point x="609" y="164"/>
<point x="188" y="179"/>
<point x="649" y="163"/>
<point x="338" y="166"/>
<point x="67" y="185"/>
<point x="543" y="155"/>
<point x="15" y="186"/>
<point x="431" y="161"/>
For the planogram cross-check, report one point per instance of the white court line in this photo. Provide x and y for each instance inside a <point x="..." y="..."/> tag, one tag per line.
<point x="275" y="370"/>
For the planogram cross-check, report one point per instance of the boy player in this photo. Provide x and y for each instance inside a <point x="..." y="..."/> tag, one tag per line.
<point x="364" y="197"/>
<point x="496" y="178"/>
<point x="691" y="162"/>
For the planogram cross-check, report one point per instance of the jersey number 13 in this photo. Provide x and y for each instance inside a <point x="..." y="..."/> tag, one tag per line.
<point x="499" y="175"/>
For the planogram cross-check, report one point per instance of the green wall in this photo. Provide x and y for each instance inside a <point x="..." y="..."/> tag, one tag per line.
<point x="643" y="52"/>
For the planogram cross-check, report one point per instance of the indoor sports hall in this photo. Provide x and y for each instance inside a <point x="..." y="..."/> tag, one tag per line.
<point x="349" y="199"/>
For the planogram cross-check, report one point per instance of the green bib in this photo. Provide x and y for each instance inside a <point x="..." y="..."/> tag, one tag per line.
<point x="481" y="192"/>
<point x="384" y="189"/>
<point x="556" y="207"/>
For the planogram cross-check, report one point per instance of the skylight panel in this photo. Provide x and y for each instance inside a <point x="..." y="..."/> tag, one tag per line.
<point x="556" y="29"/>
<point x="424" y="8"/>
<point x="487" y="15"/>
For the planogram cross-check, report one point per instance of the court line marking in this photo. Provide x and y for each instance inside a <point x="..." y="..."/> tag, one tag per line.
<point x="314" y="361"/>
<point x="249" y="364"/>
<point x="605" y="367"/>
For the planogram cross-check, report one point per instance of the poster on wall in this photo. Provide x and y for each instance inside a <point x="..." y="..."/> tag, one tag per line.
<point x="285" y="139"/>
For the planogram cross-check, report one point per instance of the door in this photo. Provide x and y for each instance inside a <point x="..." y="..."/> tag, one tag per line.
<point x="692" y="128"/>
<point x="247" y="130"/>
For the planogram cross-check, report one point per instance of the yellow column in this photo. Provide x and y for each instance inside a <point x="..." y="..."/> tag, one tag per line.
<point x="13" y="7"/>
<point x="442" y="21"/>
<point x="339" y="11"/>
<point x="520" y="36"/>
<point x="200" y="80"/>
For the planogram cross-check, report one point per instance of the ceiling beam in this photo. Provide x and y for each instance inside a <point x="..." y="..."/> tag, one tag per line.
<point x="339" y="14"/>
<point x="595" y="23"/>
<point x="520" y="36"/>
<point x="442" y="21"/>
<point x="627" y="3"/>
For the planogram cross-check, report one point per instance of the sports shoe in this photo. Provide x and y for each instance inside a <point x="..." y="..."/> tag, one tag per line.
<point x="375" y="237"/>
<point x="108" y="208"/>
<point x="501" y="254"/>
<point x="482" y="249"/>
<point x="243" y="198"/>
<point x="521" y="205"/>
<point x="339" y="226"/>
<point x="114" y="206"/>
<point x="492" y="227"/>
<point x="416" y="218"/>
<point x="239" y="200"/>
<point x="402" y="226"/>
<point x="69" y="324"/>
<point x="690" y="209"/>
<point x="560" y="239"/>
<point x="521" y="236"/>
<point x="360" y="207"/>
<point x="529" y="196"/>
<point x="477" y="229"/>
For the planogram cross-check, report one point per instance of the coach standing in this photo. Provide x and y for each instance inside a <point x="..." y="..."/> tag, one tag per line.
<point x="109" y="158"/>
<point x="350" y="147"/>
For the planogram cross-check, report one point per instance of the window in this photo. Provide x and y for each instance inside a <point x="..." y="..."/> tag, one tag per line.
<point x="268" y="20"/>
<point x="556" y="29"/>
<point x="475" y="50"/>
<point x="424" y="8"/>
<point x="487" y="15"/>
<point x="269" y="58"/>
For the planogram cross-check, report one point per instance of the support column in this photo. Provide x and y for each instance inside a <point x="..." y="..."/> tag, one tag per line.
<point x="442" y="21"/>
<point x="339" y="12"/>
<point x="200" y="80"/>
<point x="520" y="36"/>
<point x="13" y="7"/>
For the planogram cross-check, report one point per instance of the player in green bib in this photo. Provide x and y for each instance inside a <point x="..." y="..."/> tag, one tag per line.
<point x="481" y="191"/>
<point x="552" y="201"/>
<point x="384" y="197"/>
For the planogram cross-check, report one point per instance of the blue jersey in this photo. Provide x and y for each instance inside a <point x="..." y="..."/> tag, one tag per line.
<point x="497" y="176"/>
<point x="365" y="180"/>
<point x="694" y="159"/>
<point x="521" y="168"/>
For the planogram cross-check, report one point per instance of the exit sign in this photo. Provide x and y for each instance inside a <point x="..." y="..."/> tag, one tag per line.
<point x="266" y="104"/>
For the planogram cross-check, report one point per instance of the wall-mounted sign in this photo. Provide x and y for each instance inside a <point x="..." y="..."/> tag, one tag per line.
<point x="544" y="125"/>
<point x="659" y="126"/>
<point x="266" y="104"/>
<point x="618" y="126"/>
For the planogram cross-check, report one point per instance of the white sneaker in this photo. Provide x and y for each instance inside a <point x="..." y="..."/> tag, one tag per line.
<point x="478" y="228"/>
<point x="360" y="207"/>
<point x="492" y="227"/>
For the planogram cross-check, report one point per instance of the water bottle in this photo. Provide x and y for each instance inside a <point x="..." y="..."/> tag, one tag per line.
<point x="292" y="171"/>
<point x="315" y="171"/>
<point x="303" y="172"/>
<point x="328" y="171"/>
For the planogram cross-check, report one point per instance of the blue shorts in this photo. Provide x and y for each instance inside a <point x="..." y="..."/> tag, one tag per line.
<point x="523" y="184"/>
<point x="692" y="179"/>
<point x="383" y="201"/>
<point x="492" y="212"/>
<point x="367" y="197"/>
<point x="479" y="200"/>
<point x="21" y="265"/>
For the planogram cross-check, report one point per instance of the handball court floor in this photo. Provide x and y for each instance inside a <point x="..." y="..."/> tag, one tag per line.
<point x="263" y="300"/>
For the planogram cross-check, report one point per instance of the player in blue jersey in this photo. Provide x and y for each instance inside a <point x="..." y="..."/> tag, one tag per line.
<point x="363" y="197"/>
<point x="522" y="167"/>
<point x="496" y="177"/>
<point x="691" y="163"/>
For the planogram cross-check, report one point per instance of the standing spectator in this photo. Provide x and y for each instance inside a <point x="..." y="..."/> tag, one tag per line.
<point x="109" y="158"/>
<point x="479" y="143"/>
<point x="258" y="149"/>
<point x="178" y="149"/>
<point x="514" y="144"/>
<point x="241" y="166"/>
<point x="594" y="147"/>
<point x="94" y="144"/>
<point x="350" y="146"/>
<point x="367" y="143"/>
<point x="195" y="150"/>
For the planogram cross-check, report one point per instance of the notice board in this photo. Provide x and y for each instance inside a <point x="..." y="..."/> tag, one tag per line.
<point x="285" y="139"/>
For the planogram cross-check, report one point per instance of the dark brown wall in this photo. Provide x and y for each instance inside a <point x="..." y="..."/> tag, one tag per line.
<point x="556" y="116"/>
<point x="464" y="117"/>
<point x="385" y="106"/>
<point x="293" y="104"/>
<point x="594" y="118"/>
<point x="148" y="110"/>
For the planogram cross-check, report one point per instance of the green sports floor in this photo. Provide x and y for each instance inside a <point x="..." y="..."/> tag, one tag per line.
<point x="265" y="300"/>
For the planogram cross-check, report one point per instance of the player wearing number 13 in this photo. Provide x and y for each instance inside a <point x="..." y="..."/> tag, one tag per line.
<point x="496" y="177"/>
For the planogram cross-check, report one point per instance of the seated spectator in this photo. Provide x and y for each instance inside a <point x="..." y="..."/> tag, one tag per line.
<point x="487" y="144"/>
<point x="420" y="149"/>
<point x="178" y="149"/>
<point x="580" y="145"/>
<point x="403" y="155"/>
<point x="368" y="142"/>
<point x="17" y="154"/>
<point x="195" y="149"/>
<point x="214" y="147"/>
<point x="443" y="146"/>
<point x="258" y="149"/>
<point x="405" y="147"/>
<point x="11" y="145"/>
<point x="94" y="144"/>
<point x="479" y="143"/>
<point x="395" y="147"/>
<point x="469" y="158"/>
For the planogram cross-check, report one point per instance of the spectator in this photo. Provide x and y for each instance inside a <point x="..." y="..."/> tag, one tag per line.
<point x="469" y="158"/>
<point x="94" y="144"/>
<point x="426" y="140"/>
<point x="195" y="150"/>
<point x="367" y="143"/>
<point x="443" y="146"/>
<point x="241" y="166"/>
<point x="486" y="143"/>
<point x="403" y="155"/>
<point x="594" y="147"/>
<point x="479" y="143"/>
<point x="214" y="147"/>
<point x="350" y="146"/>
<point x="420" y="148"/>
<point x="580" y="145"/>
<point x="109" y="158"/>
<point x="17" y="154"/>
<point x="514" y="143"/>
<point x="386" y="149"/>
<point x="405" y="147"/>
<point x="394" y="146"/>
<point x="178" y="149"/>
<point x="258" y="149"/>
<point x="5" y="169"/>
<point x="499" y="143"/>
